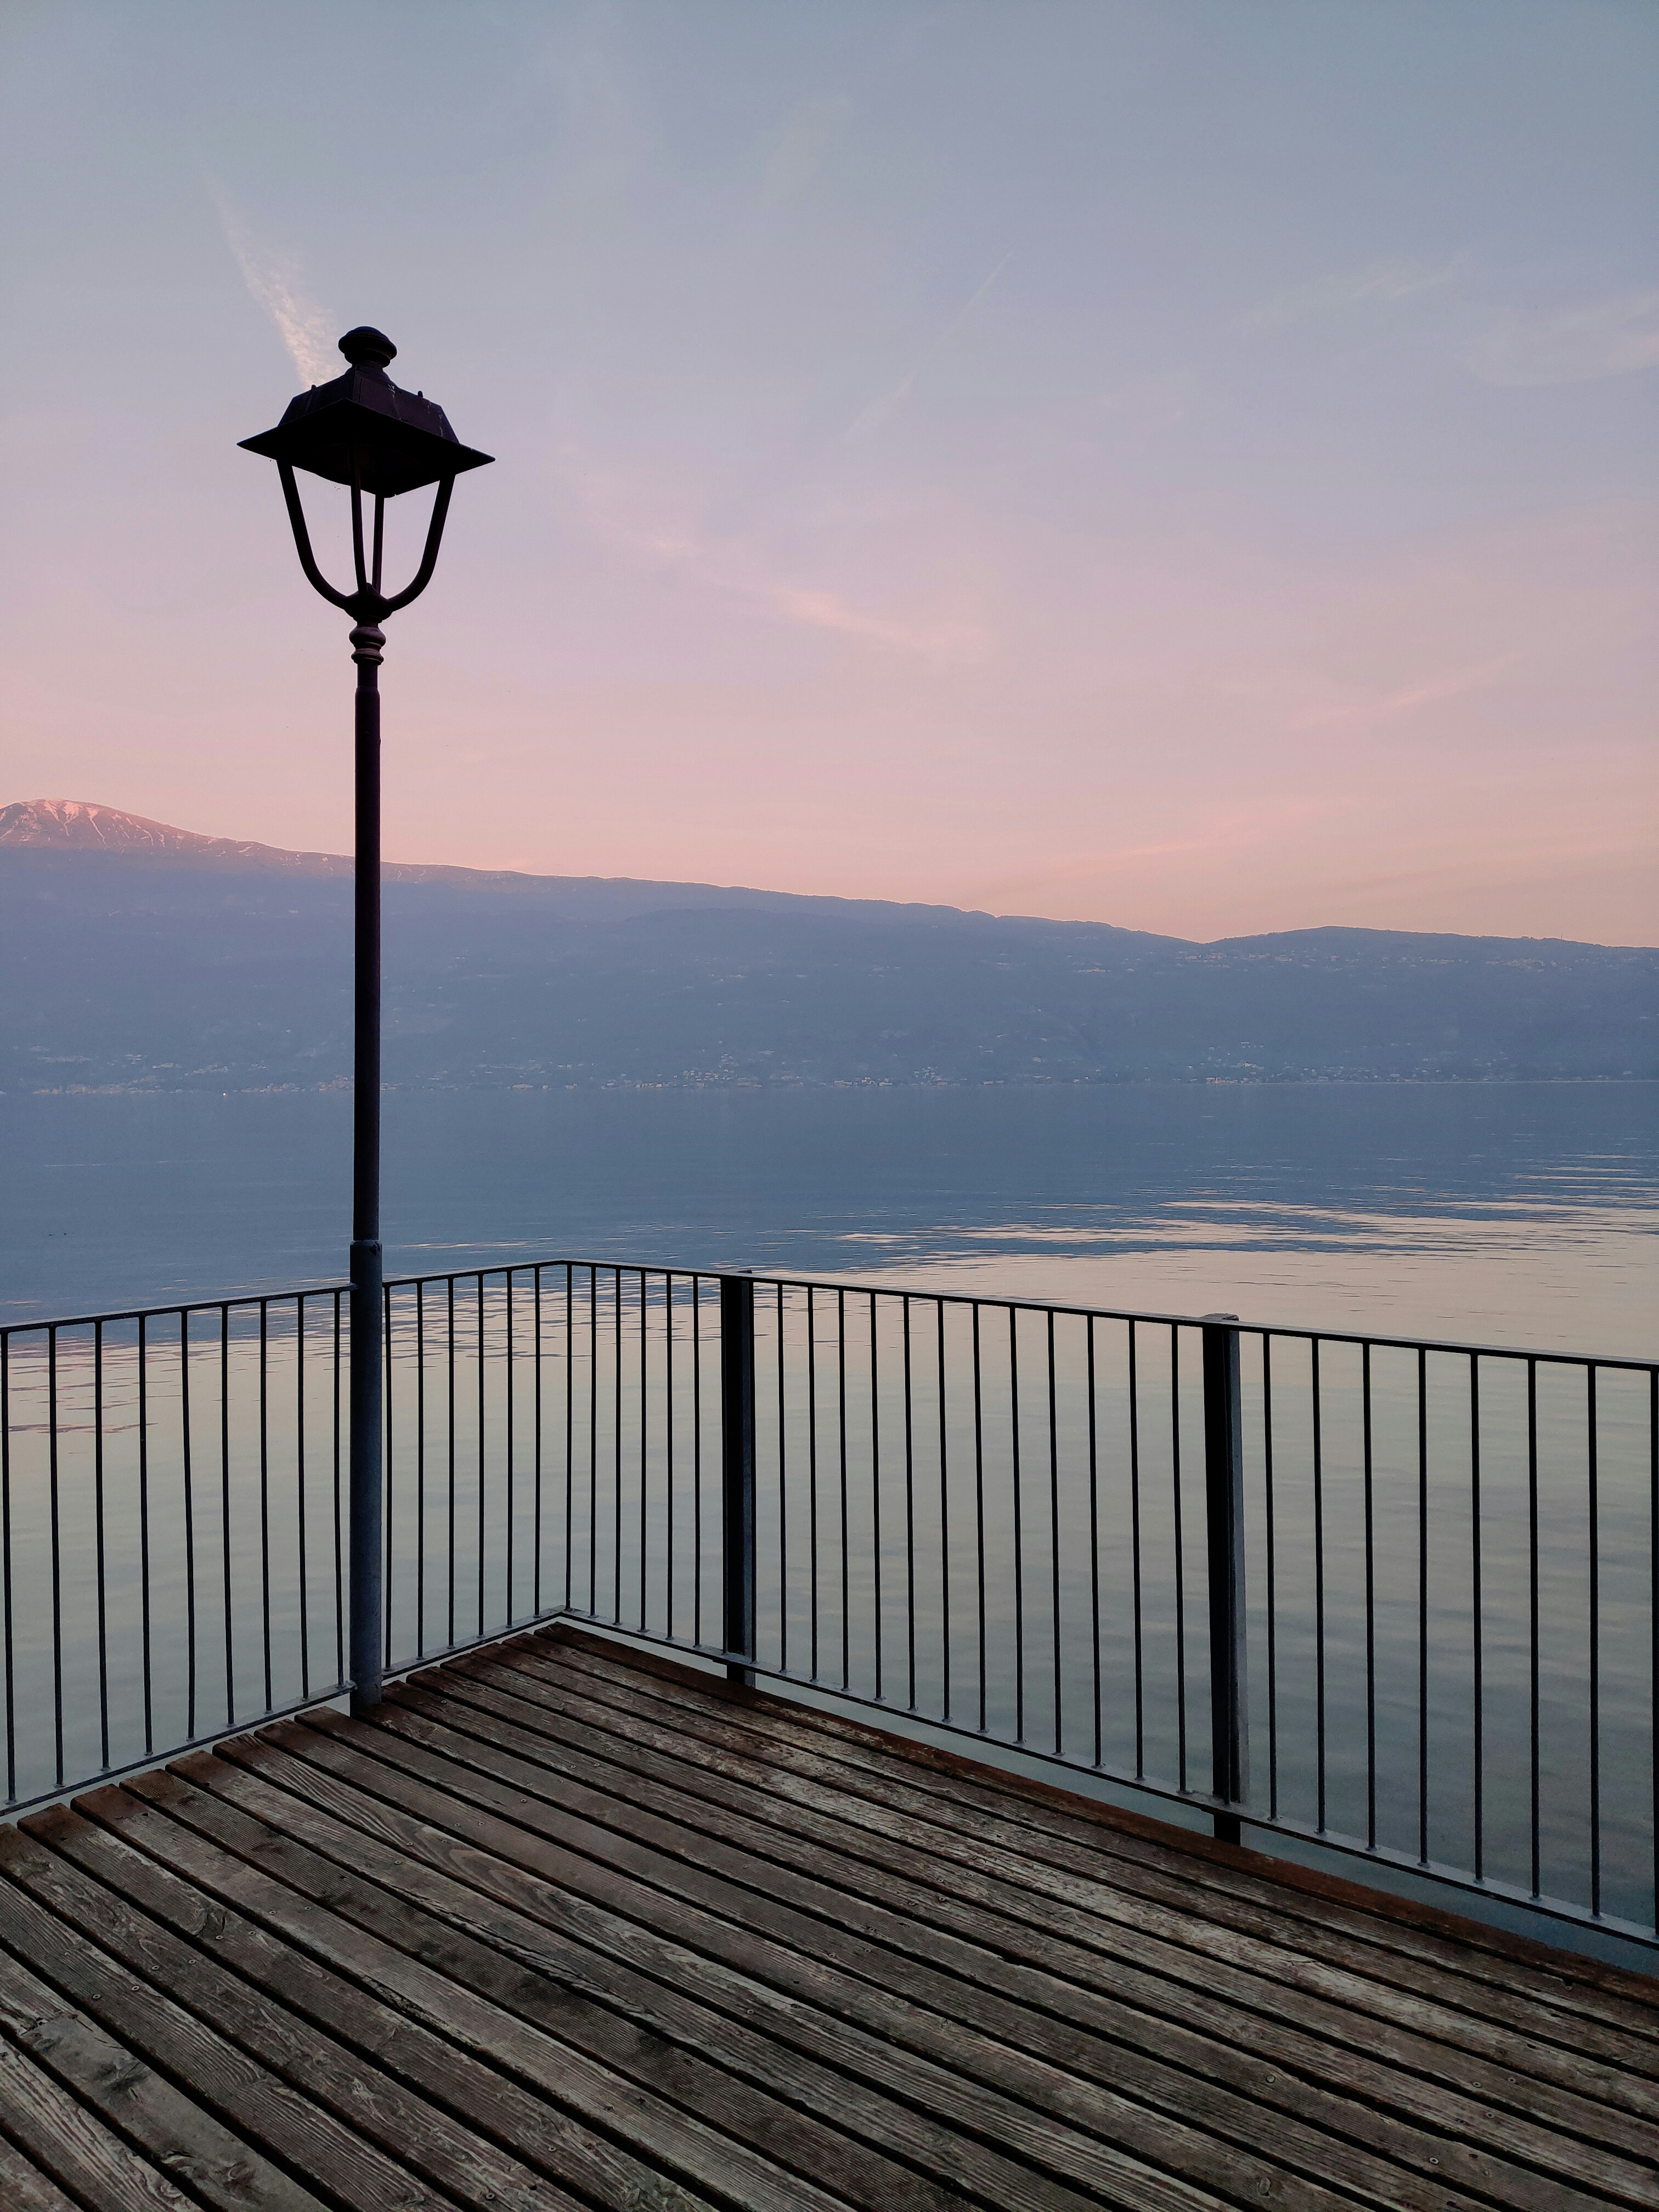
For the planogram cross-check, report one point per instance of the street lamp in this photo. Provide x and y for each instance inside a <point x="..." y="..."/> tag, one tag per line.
<point x="363" y="431"/>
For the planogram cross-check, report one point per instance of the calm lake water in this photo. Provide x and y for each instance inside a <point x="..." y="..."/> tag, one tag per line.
<point x="1514" y="1213"/>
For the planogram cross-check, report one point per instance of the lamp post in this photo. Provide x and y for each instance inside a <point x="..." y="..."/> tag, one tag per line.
<point x="364" y="432"/>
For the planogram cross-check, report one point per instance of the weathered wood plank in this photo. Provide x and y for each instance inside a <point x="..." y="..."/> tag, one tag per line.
<point x="131" y="2097"/>
<point x="24" y="2188"/>
<point x="1238" y="1894"/>
<point x="258" y="2106"/>
<point x="825" y="1969"/>
<point x="938" y="1860"/>
<point x="1167" y="2063"/>
<point x="810" y="2032"/>
<point x="65" y="2136"/>
<point x="658" y="2042"/>
<point x="907" y="1814"/>
<point x="1594" y="1987"/>
<point x="754" y="2031"/>
<point x="490" y="2109"/>
<point x="368" y="2104"/>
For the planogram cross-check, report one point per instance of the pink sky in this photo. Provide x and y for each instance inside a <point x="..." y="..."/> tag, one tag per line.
<point x="1096" y="473"/>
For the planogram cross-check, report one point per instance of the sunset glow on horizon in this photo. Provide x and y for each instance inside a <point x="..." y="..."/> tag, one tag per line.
<point x="1175" y="464"/>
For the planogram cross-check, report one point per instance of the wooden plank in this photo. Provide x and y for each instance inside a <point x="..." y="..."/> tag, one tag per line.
<point x="937" y="1859"/>
<point x="1572" y="1980"/>
<point x="374" y="2110"/>
<point x="1136" y="2043"/>
<point x="900" y="1809"/>
<point x="814" y="2060"/>
<point x="24" y="2188"/>
<point x="63" y="2137"/>
<point x="1624" y="2033"/>
<point x="804" y="1982"/>
<point x="543" y="2030"/>
<point x="258" y="2106"/>
<point x="493" y="2109"/>
<point x="130" y="2097"/>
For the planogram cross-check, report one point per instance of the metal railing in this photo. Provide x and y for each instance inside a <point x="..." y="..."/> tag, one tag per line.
<point x="1395" y="1596"/>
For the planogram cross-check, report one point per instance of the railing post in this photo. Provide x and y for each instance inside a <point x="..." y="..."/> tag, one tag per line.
<point x="1223" y="1514"/>
<point x="737" y="1470"/>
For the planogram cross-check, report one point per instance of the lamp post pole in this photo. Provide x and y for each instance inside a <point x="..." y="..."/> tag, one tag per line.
<point x="367" y="1270"/>
<point x="366" y="433"/>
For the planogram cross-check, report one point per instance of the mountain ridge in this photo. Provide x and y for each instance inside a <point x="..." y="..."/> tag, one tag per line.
<point x="140" y="958"/>
<point x="88" y="826"/>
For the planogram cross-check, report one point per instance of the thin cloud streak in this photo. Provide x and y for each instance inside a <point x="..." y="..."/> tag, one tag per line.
<point x="275" y="282"/>
<point x="1580" y="345"/>
<point x="742" y="570"/>
<point x="882" y="409"/>
<point x="1386" y="284"/>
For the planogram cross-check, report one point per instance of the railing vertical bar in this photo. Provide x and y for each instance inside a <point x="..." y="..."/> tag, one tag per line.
<point x="1423" y="1606"/>
<point x="482" y="1485"/>
<point x="1094" y="1534"/>
<point x="979" y="1514"/>
<point x="450" y="1508"/>
<point x="569" y="1423"/>
<point x="301" y="1534"/>
<point x="1180" y="1552"/>
<point x="812" y="1474"/>
<point x="1271" y="1543"/>
<point x="224" y="1495"/>
<point x="1653" y="1622"/>
<point x="1020" y="1525"/>
<point x="668" y="1447"/>
<point x="840" y="1373"/>
<point x="6" y="1629"/>
<point x="617" y="1446"/>
<point x="1054" y="1530"/>
<point x="1593" y="1503"/>
<point x="875" y="1498"/>
<point x="57" y="1554"/>
<point x="187" y="1475"/>
<point x="339" y="1548"/>
<point x="737" y="1529"/>
<point x="508" y="1610"/>
<point x="1319" y="1577"/>
<point x="783" y="1501"/>
<point x="1135" y="1555"/>
<point x="1371" y="1594"/>
<point x="1224" y="1527"/>
<point x="536" y="1577"/>
<point x="264" y="1497"/>
<point x="420" y="1470"/>
<point x="910" y="1512"/>
<point x="388" y="1468"/>
<point x="99" y="1540"/>
<point x="696" y="1458"/>
<point x="943" y="1518"/>
<point x="1531" y="1619"/>
<point x="645" y="1407"/>
<point x="1476" y="1622"/>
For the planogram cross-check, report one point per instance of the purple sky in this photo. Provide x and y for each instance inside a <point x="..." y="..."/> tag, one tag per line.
<point x="1188" y="465"/>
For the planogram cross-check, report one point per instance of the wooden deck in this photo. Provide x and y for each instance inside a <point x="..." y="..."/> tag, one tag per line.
<point x="569" y="1927"/>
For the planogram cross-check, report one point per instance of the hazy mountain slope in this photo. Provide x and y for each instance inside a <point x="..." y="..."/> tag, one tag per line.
<point x="156" y="964"/>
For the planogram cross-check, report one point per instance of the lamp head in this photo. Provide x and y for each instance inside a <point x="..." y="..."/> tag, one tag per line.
<point x="363" y="428"/>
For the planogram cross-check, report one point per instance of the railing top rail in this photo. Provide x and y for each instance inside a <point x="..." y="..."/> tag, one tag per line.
<point x="287" y="1295"/>
<point x="1264" y="1329"/>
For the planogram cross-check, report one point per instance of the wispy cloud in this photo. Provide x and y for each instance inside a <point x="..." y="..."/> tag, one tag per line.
<point x="1578" y="346"/>
<point x="1385" y="707"/>
<point x="640" y="522"/>
<point x="1387" y="283"/>
<point x="274" y="280"/>
<point x="887" y="404"/>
